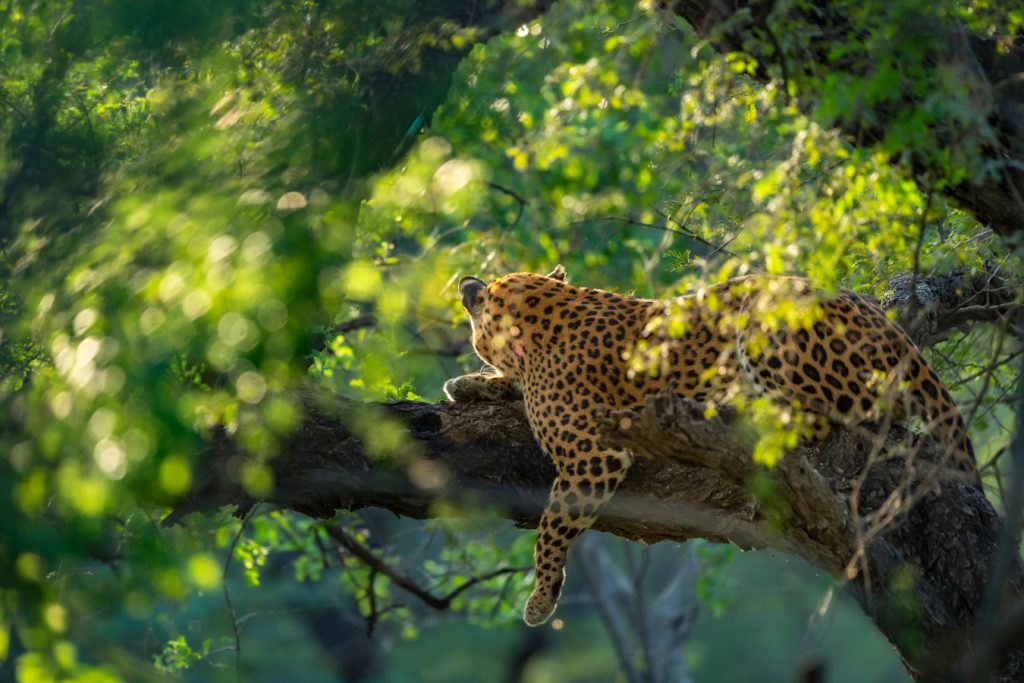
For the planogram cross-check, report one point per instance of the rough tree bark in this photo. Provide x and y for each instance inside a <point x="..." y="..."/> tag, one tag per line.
<point x="919" y="570"/>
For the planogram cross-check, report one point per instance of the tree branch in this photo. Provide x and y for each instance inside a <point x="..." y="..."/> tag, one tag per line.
<point x="691" y="479"/>
<point x="931" y="308"/>
<point x="487" y="455"/>
<point x="379" y="566"/>
<point x="660" y="626"/>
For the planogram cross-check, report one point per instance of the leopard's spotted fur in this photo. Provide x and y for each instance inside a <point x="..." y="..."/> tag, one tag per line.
<point x="568" y="350"/>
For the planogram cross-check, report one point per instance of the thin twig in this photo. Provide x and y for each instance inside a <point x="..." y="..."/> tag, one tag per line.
<point x="371" y="595"/>
<point x="361" y="322"/>
<point x="514" y="195"/>
<point x="402" y="581"/>
<point x="227" y="595"/>
<point x="484" y="577"/>
<point x="913" y="301"/>
<point x="654" y="226"/>
<point x="991" y="622"/>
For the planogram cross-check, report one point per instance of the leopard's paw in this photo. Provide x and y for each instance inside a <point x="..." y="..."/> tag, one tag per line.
<point x="481" y="387"/>
<point x="541" y="604"/>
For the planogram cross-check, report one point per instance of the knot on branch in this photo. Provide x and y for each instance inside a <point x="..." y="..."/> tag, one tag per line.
<point x="931" y="307"/>
<point x="697" y="438"/>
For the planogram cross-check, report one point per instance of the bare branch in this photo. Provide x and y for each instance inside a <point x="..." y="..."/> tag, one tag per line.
<point x="227" y="600"/>
<point x="379" y="566"/>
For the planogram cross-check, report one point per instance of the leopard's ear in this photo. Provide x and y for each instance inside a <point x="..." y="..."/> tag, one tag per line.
<point x="558" y="273"/>
<point x="469" y="287"/>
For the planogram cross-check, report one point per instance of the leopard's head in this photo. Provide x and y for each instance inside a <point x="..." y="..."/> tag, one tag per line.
<point x="497" y="310"/>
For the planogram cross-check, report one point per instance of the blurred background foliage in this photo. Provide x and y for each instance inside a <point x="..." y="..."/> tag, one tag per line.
<point x="204" y="205"/>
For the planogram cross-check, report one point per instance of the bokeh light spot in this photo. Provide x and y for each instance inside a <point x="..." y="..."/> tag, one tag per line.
<point x="204" y="570"/>
<point x="175" y="475"/>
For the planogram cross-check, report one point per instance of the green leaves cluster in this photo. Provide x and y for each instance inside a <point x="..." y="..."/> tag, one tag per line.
<point x="200" y="201"/>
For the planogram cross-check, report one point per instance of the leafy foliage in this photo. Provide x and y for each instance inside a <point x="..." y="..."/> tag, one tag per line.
<point x="204" y="205"/>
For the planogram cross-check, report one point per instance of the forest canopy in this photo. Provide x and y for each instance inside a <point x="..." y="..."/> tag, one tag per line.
<point x="213" y="215"/>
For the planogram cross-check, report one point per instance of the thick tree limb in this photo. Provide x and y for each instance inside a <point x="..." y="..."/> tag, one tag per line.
<point x="483" y="453"/>
<point x="919" y="570"/>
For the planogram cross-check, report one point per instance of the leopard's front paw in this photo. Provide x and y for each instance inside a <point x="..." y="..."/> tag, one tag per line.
<point x="482" y="387"/>
<point x="460" y="389"/>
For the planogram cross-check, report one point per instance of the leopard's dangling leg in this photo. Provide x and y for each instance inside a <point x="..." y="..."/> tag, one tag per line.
<point x="585" y="483"/>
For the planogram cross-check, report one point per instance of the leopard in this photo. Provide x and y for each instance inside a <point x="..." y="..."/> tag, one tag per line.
<point x="574" y="353"/>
